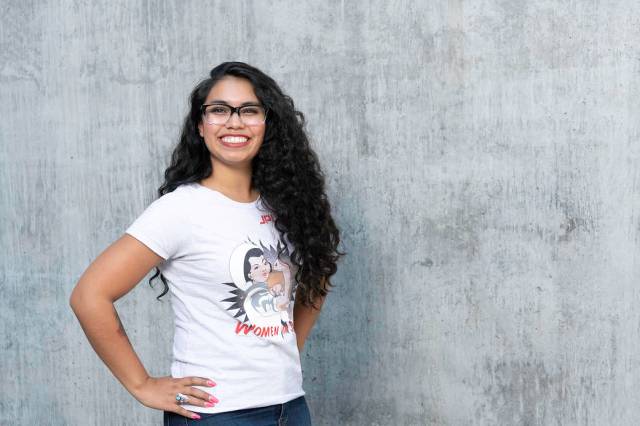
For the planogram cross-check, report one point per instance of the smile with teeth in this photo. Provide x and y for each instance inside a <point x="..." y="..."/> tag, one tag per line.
<point x="234" y="140"/>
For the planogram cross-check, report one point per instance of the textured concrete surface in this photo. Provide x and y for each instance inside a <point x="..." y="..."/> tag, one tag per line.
<point x="483" y="158"/>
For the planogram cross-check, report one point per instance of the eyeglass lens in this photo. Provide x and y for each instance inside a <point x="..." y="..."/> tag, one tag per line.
<point x="250" y="115"/>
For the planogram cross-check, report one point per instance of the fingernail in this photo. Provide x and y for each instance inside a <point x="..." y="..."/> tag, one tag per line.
<point x="213" y="399"/>
<point x="195" y="416"/>
<point x="210" y="383"/>
<point x="208" y="404"/>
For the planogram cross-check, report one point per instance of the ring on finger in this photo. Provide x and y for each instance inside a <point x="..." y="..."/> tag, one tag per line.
<point x="181" y="398"/>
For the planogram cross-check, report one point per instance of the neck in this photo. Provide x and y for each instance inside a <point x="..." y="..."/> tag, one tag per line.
<point x="234" y="182"/>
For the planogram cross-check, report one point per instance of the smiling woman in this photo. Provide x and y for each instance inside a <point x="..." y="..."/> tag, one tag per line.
<point x="232" y="134"/>
<point x="242" y="236"/>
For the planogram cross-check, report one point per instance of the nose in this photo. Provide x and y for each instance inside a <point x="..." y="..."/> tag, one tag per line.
<point x="234" y="121"/>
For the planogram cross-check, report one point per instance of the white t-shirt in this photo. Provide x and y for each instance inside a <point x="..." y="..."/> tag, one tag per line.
<point x="232" y="289"/>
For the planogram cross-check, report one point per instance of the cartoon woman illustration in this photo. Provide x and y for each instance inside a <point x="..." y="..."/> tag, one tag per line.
<point x="265" y="294"/>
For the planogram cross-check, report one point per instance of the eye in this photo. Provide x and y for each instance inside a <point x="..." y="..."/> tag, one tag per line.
<point x="218" y="110"/>
<point x="250" y="110"/>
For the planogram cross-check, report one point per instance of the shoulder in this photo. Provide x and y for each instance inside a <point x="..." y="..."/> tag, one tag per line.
<point x="178" y="200"/>
<point x="172" y="207"/>
<point x="164" y="226"/>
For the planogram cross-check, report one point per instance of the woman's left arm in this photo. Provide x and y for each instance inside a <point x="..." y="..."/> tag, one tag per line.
<point x="304" y="317"/>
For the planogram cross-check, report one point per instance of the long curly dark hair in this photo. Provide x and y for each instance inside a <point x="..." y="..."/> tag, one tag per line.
<point x="285" y="171"/>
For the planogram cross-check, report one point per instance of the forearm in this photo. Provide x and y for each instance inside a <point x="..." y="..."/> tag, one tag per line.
<point x="304" y="317"/>
<point x="101" y="323"/>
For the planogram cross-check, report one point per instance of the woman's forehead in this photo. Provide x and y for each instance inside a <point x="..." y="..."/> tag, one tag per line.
<point x="232" y="90"/>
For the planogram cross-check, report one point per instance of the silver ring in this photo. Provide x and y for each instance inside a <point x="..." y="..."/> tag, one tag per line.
<point x="181" y="398"/>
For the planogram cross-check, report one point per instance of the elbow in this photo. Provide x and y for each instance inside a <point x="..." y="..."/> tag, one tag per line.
<point x="86" y="300"/>
<point x="80" y="300"/>
<point x="75" y="300"/>
<point x="318" y="302"/>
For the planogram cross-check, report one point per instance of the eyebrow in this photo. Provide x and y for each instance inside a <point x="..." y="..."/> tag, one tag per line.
<point x="220" y="101"/>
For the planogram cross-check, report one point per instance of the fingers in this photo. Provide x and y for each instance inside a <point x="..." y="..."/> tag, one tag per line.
<point x="161" y="392"/>
<point x="197" y="381"/>
<point x="204" y="396"/>
<point x="197" y="396"/>
<point x="185" y="413"/>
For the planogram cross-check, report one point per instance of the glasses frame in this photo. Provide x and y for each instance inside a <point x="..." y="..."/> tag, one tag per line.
<point x="234" y="110"/>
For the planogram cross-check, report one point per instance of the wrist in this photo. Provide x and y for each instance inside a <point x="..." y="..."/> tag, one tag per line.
<point x="136" y="387"/>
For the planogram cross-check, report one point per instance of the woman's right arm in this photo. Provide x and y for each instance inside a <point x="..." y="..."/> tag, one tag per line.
<point x="114" y="273"/>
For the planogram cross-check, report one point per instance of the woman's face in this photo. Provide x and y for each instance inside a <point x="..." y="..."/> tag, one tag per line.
<point x="234" y="143"/>
<point x="259" y="269"/>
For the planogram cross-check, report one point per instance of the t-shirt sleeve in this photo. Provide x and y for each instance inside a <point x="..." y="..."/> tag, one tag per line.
<point x="160" y="228"/>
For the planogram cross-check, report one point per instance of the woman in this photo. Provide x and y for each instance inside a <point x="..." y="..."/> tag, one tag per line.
<point x="242" y="180"/>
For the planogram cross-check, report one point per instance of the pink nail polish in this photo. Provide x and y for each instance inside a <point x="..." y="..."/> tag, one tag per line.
<point x="208" y="404"/>
<point x="210" y="383"/>
<point x="195" y="416"/>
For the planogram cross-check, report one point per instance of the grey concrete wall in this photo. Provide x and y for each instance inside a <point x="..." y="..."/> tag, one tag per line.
<point x="483" y="158"/>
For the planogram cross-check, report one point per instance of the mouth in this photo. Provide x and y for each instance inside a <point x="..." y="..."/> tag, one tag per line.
<point x="234" y="141"/>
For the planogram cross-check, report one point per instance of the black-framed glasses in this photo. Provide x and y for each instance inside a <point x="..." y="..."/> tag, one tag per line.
<point x="220" y="113"/>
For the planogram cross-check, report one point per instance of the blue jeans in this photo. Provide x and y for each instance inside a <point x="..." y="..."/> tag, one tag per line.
<point x="292" y="413"/>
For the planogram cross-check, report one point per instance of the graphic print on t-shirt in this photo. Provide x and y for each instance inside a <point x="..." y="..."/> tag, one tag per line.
<point x="262" y="291"/>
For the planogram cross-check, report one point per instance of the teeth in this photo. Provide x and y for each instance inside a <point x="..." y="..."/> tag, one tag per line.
<point x="234" y="139"/>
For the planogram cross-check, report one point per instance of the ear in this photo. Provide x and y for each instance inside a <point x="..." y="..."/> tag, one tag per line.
<point x="200" y="129"/>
